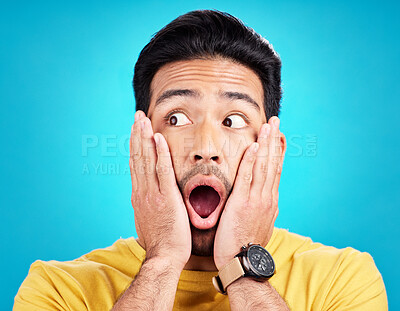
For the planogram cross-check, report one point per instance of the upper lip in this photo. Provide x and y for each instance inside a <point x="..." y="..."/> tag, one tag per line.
<point x="205" y="180"/>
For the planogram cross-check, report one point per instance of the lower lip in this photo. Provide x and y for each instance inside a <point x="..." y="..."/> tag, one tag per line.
<point x="203" y="223"/>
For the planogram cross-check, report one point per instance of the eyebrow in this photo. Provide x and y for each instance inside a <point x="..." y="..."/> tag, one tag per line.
<point x="241" y="96"/>
<point x="193" y="93"/>
<point x="176" y="93"/>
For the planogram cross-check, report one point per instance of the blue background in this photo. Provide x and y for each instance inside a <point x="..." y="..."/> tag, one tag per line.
<point x="67" y="107"/>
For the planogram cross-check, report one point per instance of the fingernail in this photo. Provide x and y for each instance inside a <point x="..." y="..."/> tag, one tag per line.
<point x="276" y="122"/>
<point x="136" y="116"/>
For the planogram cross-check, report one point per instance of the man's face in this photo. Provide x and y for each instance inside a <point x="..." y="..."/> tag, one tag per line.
<point x="207" y="111"/>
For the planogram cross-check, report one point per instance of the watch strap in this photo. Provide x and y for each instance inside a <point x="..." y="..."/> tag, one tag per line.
<point x="229" y="273"/>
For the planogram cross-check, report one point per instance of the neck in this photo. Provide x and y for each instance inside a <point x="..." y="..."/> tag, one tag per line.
<point x="195" y="263"/>
<point x="200" y="264"/>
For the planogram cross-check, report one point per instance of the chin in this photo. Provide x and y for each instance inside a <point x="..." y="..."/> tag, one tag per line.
<point x="203" y="241"/>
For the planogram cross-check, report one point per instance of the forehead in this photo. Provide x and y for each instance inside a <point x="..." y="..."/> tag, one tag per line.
<point x="208" y="77"/>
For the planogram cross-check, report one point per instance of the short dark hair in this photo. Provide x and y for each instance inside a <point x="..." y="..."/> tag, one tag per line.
<point x="209" y="34"/>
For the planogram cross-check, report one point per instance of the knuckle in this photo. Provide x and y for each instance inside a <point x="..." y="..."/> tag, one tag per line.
<point x="140" y="170"/>
<point x="150" y="169"/>
<point x="251" y="158"/>
<point x="247" y="177"/>
<point x="268" y="201"/>
<point x="146" y="160"/>
<point x="246" y="205"/>
<point x="159" y="200"/>
<point x="275" y="159"/>
<point x="136" y="155"/>
<point x="134" y="197"/>
<point x="148" y="198"/>
<point x="279" y="169"/>
<point x="162" y="169"/>
<point x="264" y="168"/>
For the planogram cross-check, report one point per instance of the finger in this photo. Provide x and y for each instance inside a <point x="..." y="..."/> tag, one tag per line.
<point x="275" y="187"/>
<point x="244" y="175"/>
<point x="260" y="167"/>
<point x="149" y="154"/>
<point x="273" y="156"/>
<point x="134" y="149"/>
<point x="134" y="143"/>
<point x="131" y="161"/>
<point x="164" y="168"/>
<point x="275" y="190"/>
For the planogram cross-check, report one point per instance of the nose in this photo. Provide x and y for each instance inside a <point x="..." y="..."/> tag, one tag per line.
<point x="205" y="146"/>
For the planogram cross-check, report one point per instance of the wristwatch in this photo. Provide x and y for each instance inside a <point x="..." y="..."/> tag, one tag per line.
<point x="253" y="261"/>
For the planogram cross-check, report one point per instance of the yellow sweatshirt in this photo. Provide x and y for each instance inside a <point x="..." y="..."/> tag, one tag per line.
<point x="309" y="276"/>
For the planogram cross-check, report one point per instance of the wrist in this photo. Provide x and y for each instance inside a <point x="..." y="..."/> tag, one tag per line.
<point x="252" y="262"/>
<point x="246" y="283"/>
<point x="166" y="264"/>
<point x="222" y="261"/>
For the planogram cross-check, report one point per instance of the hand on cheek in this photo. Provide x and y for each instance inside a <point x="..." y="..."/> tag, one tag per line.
<point x="161" y="218"/>
<point x="252" y="207"/>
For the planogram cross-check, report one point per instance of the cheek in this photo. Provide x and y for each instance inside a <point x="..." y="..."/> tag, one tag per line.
<point x="234" y="150"/>
<point x="179" y="147"/>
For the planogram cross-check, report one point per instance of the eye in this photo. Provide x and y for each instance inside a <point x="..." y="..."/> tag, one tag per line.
<point x="235" y="121"/>
<point x="177" y="119"/>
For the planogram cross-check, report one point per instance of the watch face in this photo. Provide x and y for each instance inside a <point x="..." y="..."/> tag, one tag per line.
<point x="261" y="262"/>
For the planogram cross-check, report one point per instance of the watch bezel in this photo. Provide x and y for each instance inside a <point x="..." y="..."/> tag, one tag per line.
<point x="247" y="263"/>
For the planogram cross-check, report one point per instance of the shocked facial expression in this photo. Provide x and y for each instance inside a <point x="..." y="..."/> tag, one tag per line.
<point x="209" y="111"/>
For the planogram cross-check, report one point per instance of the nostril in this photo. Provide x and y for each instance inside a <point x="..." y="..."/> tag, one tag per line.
<point x="198" y="157"/>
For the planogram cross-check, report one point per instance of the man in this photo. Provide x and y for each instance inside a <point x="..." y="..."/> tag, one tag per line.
<point x="206" y="160"/>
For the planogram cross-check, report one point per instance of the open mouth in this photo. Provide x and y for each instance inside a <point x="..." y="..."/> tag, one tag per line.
<point x="204" y="197"/>
<point x="204" y="200"/>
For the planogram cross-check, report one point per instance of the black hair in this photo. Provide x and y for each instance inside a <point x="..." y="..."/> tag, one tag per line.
<point x="209" y="34"/>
